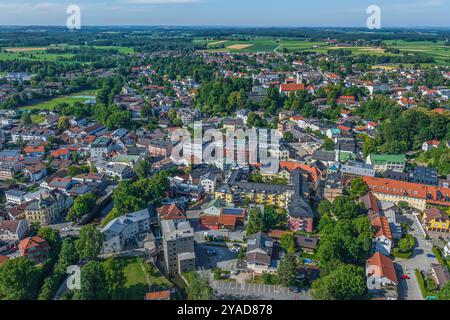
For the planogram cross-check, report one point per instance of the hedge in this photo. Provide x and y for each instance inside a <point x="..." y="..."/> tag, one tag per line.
<point x="421" y="283"/>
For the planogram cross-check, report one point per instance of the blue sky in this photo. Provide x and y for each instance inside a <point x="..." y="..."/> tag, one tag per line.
<point x="345" y="13"/>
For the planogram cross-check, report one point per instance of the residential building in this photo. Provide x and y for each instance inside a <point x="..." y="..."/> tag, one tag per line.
<point x="125" y="229"/>
<point x="259" y="253"/>
<point x="13" y="230"/>
<point x="101" y="147"/>
<point x="382" y="241"/>
<point x="48" y="208"/>
<point x="436" y="220"/>
<point x="178" y="246"/>
<point x="15" y="196"/>
<point x="382" y="279"/>
<point x="114" y="170"/>
<point x="384" y="162"/>
<point x="9" y="169"/>
<point x="34" y="249"/>
<point x="416" y="195"/>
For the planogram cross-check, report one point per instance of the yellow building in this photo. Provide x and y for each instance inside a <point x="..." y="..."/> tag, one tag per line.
<point x="436" y="220"/>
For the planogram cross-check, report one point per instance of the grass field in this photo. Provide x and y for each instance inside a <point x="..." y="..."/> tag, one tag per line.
<point x="436" y="50"/>
<point x="81" y="96"/>
<point x="40" y="53"/>
<point x="140" y="277"/>
<point x="31" y="54"/>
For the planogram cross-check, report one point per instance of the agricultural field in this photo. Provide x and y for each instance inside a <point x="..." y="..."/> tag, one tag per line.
<point x="436" y="50"/>
<point x="82" y="97"/>
<point x="41" y="54"/>
<point x="31" y="54"/>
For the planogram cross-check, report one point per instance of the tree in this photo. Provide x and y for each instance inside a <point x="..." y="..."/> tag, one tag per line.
<point x="346" y="208"/>
<point x="346" y="282"/>
<point x="53" y="238"/>
<point x="287" y="271"/>
<point x="328" y="144"/>
<point x="93" y="282"/>
<point x="82" y="205"/>
<point x="358" y="188"/>
<point x="142" y="169"/>
<point x="325" y="207"/>
<point x="115" y="278"/>
<point x="90" y="243"/>
<point x="288" y="137"/>
<point x="270" y="218"/>
<point x="255" y="221"/>
<point x="346" y="241"/>
<point x="287" y="243"/>
<point x="63" y="123"/>
<point x="199" y="289"/>
<point x="18" y="279"/>
<point x="444" y="293"/>
<point x="25" y="119"/>
<point x="127" y="198"/>
<point x="67" y="256"/>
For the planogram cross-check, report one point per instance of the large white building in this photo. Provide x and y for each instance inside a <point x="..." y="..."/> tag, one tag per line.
<point x="118" y="232"/>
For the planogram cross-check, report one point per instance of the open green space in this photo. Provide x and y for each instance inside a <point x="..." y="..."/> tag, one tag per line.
<point x="140" y="277"/>
<point x="81" y="96"/>
<point x="437" y="50"/>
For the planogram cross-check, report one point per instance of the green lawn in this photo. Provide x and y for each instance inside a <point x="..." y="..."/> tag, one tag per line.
<point x="140" y="277"/>
<point x="82" y="97"/>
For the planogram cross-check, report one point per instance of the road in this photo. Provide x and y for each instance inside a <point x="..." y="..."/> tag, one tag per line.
<point x="422" y="259"/>
<point x="251" y="291"/>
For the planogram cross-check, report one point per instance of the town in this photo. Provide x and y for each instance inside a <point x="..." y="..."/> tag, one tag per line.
<point x="93" y="175"/>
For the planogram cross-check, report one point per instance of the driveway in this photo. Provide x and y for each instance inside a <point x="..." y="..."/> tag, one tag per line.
<point x="224" y="257"/>
<point x="249" y="291"/>
<point x="421" y="259"/>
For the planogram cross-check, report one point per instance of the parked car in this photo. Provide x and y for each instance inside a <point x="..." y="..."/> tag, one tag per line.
<point x="431" y="255"/>
<point x="405" y="277"/>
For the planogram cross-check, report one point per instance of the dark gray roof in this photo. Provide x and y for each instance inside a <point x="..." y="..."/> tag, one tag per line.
<point x="259" y="241"/>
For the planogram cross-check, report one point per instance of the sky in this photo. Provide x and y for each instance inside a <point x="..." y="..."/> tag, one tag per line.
<point x="295" y="13"/>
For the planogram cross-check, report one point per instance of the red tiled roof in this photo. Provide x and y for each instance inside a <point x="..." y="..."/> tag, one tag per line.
<point x="32" y="242"/>
<point x="160" y="295"/>
<point x="382" y="266"/>
<point x="208" y="220"/>
<point x="31" y="149"/>
<point x="292" y="87"/>
<point x="381" y="225"/>
<point x="432" y="195"/>
<point x="171" y="212"/>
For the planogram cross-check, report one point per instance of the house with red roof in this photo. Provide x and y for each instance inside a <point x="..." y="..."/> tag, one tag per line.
<point x="35" y="249"/>
<point x="382" y="279"/>
<point x="171" y="212"/>
<point x="382" y="242"/>
<point x="34" y="151"/>
<point x="347" y="100"/>
<point x="289" y="88"/>
<point x="431" y="144"/>
<point x="417" y="195"/>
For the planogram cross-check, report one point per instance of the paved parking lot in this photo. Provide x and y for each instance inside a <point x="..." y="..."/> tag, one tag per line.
<point x="251" y="291"/>
<point x="222" y="257"/>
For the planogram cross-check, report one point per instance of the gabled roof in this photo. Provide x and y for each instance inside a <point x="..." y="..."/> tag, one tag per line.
<point x="171" y="212"/>
<point x="381" y="225"/>
<point x="434" y="214"/>
<point x="292" y="87"/>
<point x="382" y="266"/>
<point x="31" y="242"/>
